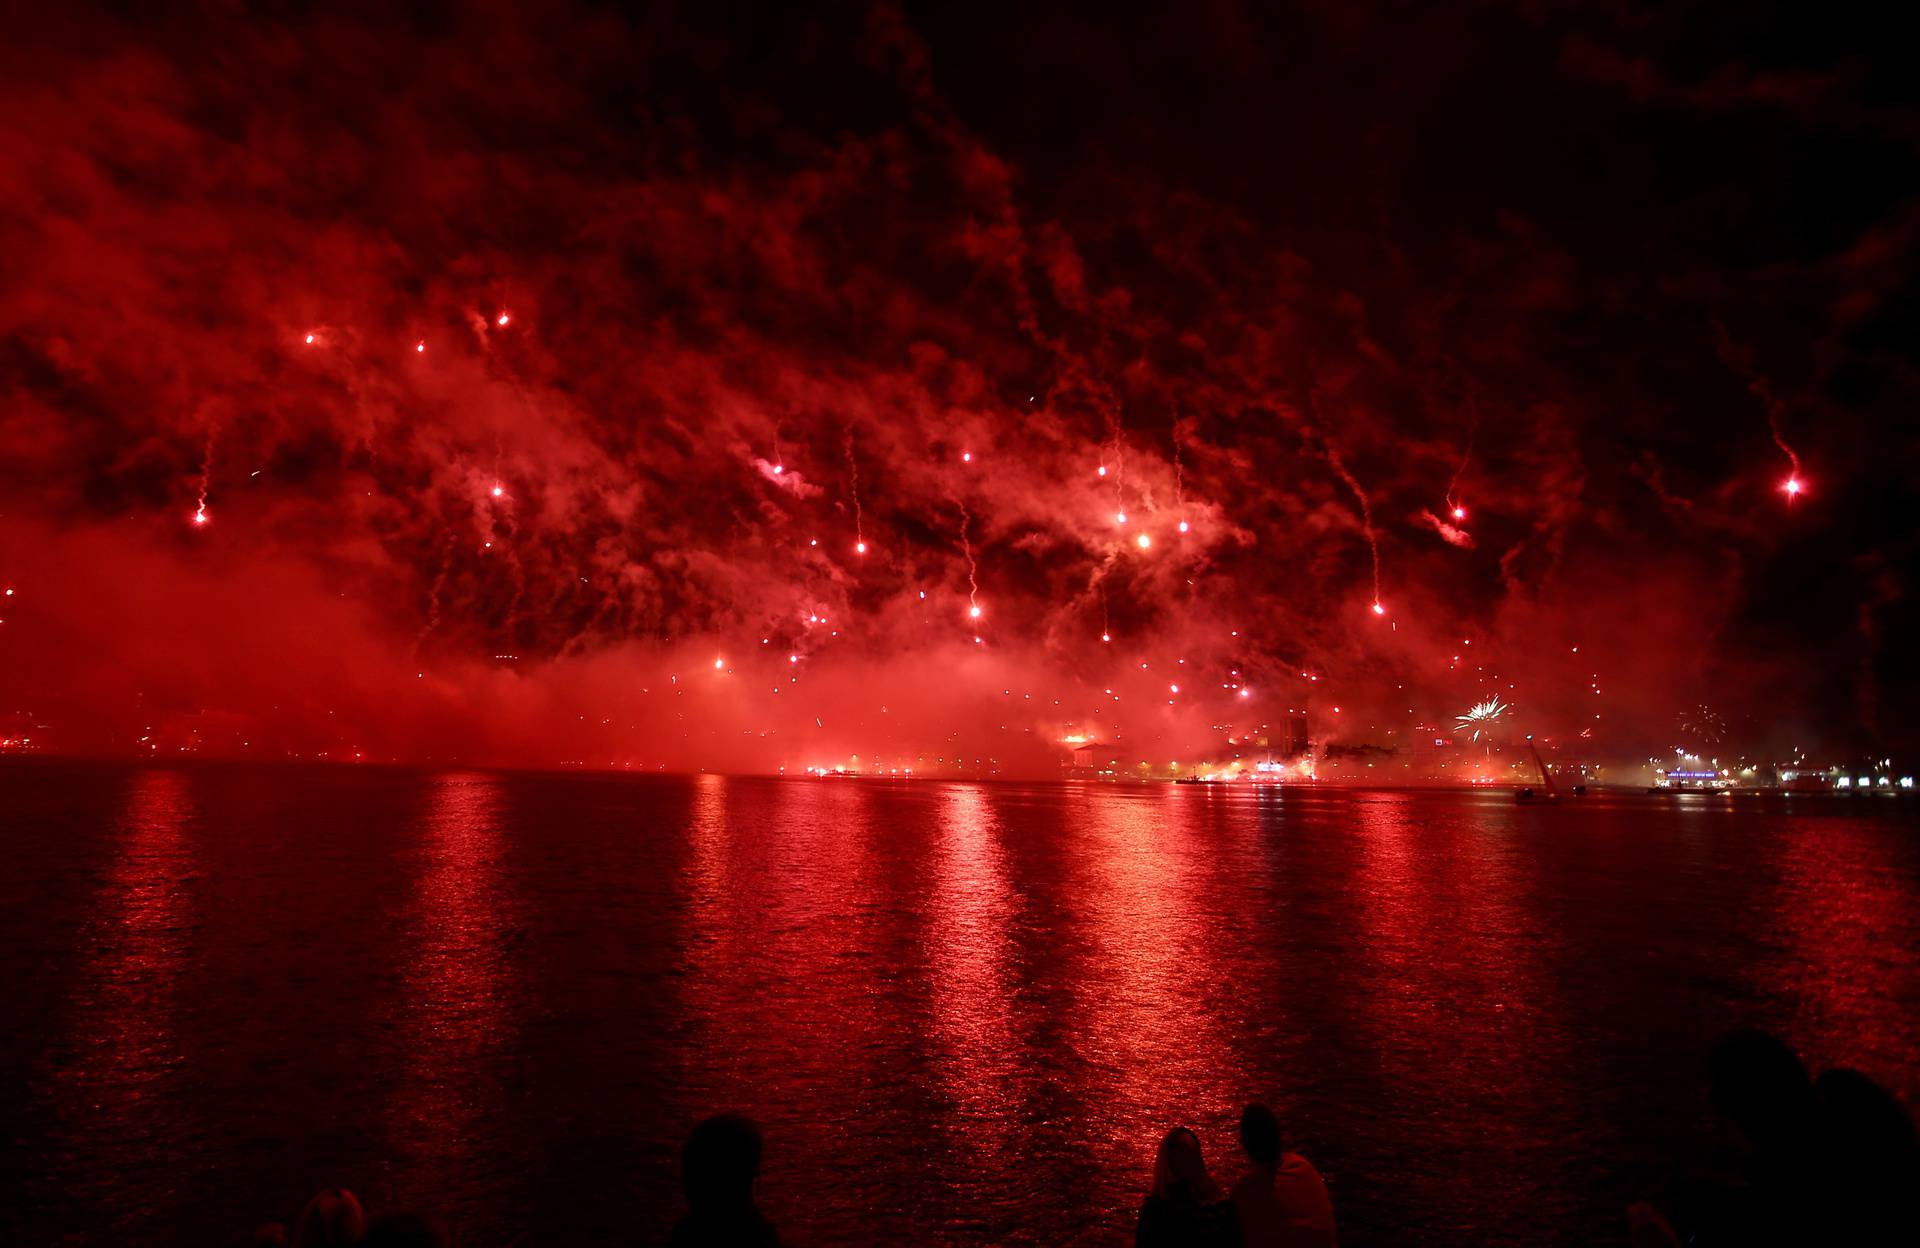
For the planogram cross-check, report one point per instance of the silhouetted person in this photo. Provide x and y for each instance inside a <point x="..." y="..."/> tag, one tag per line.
<point x="1758" y="1085"/>
<point x="1768" y="1186"/>
<point x="407" y="1230"/>
<point x="1186" y="1208"/>
<point x="718" y="1165"/>
<point x="332" y="1219"/>
<point x="1872" y="1156"/>
<point x="1281" y="1201"/>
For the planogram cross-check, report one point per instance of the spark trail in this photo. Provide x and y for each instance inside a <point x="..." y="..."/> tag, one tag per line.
<point x="1366" y="518"/>
<point x="200" y="515"/>
<point x="1738" y="360"/>
<point x="1455" y="511"/>
<point x="853" y="488"/>
<point x="433" y="597"/>
<point x="973" y="567"/>
<point x="1179" y="479"/>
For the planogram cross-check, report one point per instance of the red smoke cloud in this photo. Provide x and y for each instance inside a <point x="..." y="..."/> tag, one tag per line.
<point x="526" y="370"/>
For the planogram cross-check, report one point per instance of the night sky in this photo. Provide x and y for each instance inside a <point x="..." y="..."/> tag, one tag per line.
<point x="520" y="383"/>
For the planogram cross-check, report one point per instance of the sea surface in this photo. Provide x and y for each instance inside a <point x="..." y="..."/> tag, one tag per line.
<point x="964" y="1013"/>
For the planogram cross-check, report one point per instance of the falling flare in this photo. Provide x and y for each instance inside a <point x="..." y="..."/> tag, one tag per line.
<point x="1143" y="541"/>
<point x="501" y="319"/>
<point x="973" y="566"/>
<point x="206" y="477"/>
<point x="1183" y="526"/>
<point x="1378" y="609"/>
<point x="853" y="491"/>
<point x="419" y="347"/>
<point x="1793" y="488"/>
<point x="1459" y="513"/>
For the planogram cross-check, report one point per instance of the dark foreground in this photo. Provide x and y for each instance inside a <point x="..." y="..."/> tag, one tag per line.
<point x="962" y="1013"/>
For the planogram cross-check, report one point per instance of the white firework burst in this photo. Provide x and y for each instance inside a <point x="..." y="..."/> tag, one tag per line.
<point x="1480" y="717"/>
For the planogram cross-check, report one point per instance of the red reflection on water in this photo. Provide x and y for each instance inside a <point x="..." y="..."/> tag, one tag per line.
<point x="1450" y="1001"/>
<point x="1454" y="952"/>
<point x="454" y="1007"/>
<point x="1851" y="945"/>
<point x="779" y="956"/>
<point x="969" y="909"/>
<point x="125" y="1040"/>
<point x="1146" y="1020"/>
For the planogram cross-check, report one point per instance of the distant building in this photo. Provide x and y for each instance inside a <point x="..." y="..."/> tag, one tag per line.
<point x="22" y="733"/>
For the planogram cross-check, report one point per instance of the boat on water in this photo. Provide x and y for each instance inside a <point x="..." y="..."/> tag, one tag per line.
<point x="1526" y="793"/>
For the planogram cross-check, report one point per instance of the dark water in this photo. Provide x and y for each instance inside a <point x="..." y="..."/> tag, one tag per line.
<point x="963" y="1012"/>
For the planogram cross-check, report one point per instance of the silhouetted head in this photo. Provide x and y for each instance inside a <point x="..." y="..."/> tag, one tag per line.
<point x="1179" y="1169"/>
<point x="1260" y="1134"/>
<point x="720" y="1161"/>
<point x="332" y="1219"/>
<point x="1863" y="1119"/>
<point x="1762" y="1089"/>
<point x="407" y="1230"/>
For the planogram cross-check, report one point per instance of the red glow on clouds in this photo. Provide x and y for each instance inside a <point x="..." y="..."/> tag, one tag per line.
<point x="706" y="321"/>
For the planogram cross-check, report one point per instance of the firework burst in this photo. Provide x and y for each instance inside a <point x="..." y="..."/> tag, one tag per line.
<point x="1480" y="718"/>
